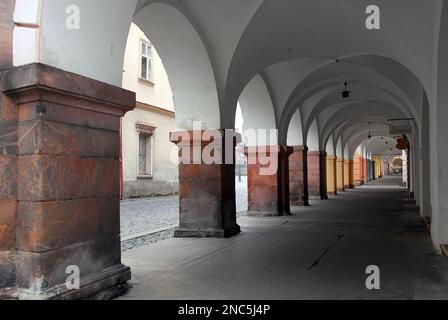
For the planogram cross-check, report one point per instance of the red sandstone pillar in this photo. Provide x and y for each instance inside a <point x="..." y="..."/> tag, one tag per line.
<point x="8" y="158"/>
<point x="346" y="164"/>
<point x="314" y="173"/>
<point x="268" y="180"/>
<point x="206" y="191"/>
<point x="317" y="174"/>
<point x="63" y="165"/>
<point x="357" y="171"/>
<point x="298" y="176"/>
<point x="362" y="170"/>
<point x="351" y="169"/>
<point x="323" y="176"/>
<point x="8" y="193"/>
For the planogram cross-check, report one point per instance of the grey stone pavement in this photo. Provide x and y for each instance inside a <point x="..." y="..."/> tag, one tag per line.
<point x="321" y="252"/>
<point x="150" y="220"/>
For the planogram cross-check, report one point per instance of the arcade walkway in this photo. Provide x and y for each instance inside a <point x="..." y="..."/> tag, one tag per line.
<point x="319" y="253"/>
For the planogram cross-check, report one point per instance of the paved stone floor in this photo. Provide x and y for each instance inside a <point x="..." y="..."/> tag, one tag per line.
<point x="319" y="253"/>
<point x="145" y="221"/>
<point x="144" y="215"/>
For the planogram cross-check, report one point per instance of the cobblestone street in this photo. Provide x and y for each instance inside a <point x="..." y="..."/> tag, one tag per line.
<point x="149" y="220"/>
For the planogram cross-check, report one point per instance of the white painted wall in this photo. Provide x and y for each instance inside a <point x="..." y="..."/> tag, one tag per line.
<point x="295" y="132"/>
<point x="258" y="113"/>
<point x="27" y="16"/>
<point x="330" y="147"/>
<point x="347" y="155"/>
<point x="156" y="94"/>
<point x="163" y="168"/>
<point x="97" y="49"/>
<point x="339" y="150"/>
<point x="312" y="140"/>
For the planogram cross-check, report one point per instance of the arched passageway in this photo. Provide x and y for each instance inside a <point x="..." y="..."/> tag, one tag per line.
<point x="326" y="113"/>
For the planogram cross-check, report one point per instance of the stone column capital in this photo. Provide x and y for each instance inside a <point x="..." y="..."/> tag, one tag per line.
<point x="268" y="150"/>
<point x="299" y="148"/>
<point x="39" y="82"/>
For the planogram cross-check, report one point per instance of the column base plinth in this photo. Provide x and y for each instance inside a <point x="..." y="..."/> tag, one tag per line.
<point x="207" y="233"/>
<point x="267" y="214"/>
<point x="106" y="285"/>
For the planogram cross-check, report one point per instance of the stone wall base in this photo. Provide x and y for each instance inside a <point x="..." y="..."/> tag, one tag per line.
<point x="149" y="188"/>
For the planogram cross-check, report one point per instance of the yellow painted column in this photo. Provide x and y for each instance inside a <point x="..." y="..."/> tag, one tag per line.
<point x="340" y="174"/>
<point x="377" y="174"/>
<point x="331" y="175"/>
<point x="379" y="165"/>
<point x="346" y="174"/>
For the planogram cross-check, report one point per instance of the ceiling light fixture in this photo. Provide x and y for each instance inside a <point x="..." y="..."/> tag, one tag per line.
<point x="370" y="132"/>
<point x="346" y="93"/>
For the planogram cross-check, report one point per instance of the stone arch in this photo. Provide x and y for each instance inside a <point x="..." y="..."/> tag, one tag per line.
<point x="360" y="139"/>
<point x="176" y="38"/>
<point x="258" y="112"/>
<point x="377" y="145"/>
<point x="330" y="147"/>
<point x="312" y="140"/>
<point x="187" y="63"/>
<point x="338" y="148"/>
<point x="347" y="154"/>
<point x="361" y="116"/>
<point x="56" y="45"/>
<point x="331" y="103"/>
<point x="252" y="48"/>
<point x="382" y="79"/>
<point x="295" y="132"/>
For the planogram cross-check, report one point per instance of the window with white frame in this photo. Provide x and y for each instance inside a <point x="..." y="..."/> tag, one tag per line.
<point x="145" y="150"/>
<point x="146" y="61"/>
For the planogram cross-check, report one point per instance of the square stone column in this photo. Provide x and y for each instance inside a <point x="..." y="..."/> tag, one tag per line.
<point x="8" y="193"/>
<point x="358" y="171"/>
<point x="317" y="184"/>
<point x="268" y="180"/>
<point x="340" y="171"/>
<point x="62" y="173"/>
<point x="367" y="170"/>
<point x="207" y="205"/>
<point x="331" y="175"/>
<point x="298" y="176"/>
<point x="8" y="158"/>
<point x="373" y="175"/>
<point x="351" y="179"/>
<point x="365" y="173"/>
<point x="346" y="164"/>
